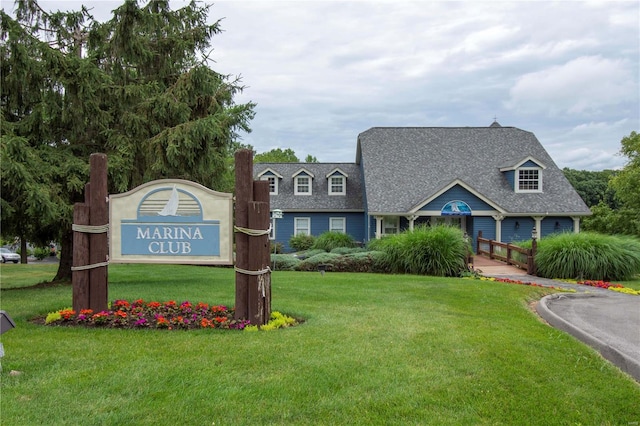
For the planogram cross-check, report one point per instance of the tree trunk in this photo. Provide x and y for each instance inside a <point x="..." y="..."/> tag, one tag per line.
<point x="66" y="256"/>
<point x="23" y="249"/>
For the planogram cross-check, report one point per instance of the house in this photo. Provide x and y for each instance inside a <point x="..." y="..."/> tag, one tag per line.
<point x="498" y="180"/>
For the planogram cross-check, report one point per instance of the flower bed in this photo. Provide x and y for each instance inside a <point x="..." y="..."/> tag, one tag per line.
<point x="600" y="284"/>
<point x="159" y="315"/>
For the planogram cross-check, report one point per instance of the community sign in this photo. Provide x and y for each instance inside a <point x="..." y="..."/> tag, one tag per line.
<point x="171" y="221"/>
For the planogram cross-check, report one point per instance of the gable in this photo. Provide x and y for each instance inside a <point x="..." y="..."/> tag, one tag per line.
<point x="456" y="192"/>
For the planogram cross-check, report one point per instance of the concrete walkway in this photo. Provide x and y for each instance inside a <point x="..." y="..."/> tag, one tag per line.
<point x="605" y="320"/>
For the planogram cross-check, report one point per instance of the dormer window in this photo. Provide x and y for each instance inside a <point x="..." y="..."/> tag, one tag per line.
<point x="529" y="180"/>
<point x="337" y="182"/>
<point x="336" y="185"/>
<point x="302" y="181"/>
<point x="273" y="178"/>
<point x="303" y="185"/>
<point x="273" y="184"/>
<point x="525" y="175"/>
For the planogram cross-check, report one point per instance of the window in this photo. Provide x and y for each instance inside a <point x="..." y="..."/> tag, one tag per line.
<point x="302" y="185"/>
<point x="529" y="180"/>
<point x="337" y="224"/>
<point x="336" y="185"/>
<point x="273" y="184"/>
<point x="390" y="225"/>
<point x="272" y="232"/>
<point x="302" y="226"/>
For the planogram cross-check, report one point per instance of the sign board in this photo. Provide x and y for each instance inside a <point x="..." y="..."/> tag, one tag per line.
<point x="171" y="221"/>
<point x="456" y="208"/>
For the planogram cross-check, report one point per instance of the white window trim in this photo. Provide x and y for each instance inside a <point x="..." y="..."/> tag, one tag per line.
<point x="395" y="219"/>
<point x="344" y="185"/>
<point x="275" y="183"/>
<point x="272" y="231"/>
<point x="296" y="191"/>
<point x="517" y="180"/>
<point x="344" y="224"/>
<point x="296" y="228"/>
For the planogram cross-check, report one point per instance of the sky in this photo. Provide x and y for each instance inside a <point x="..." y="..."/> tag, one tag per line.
<point x="322" y="72"/>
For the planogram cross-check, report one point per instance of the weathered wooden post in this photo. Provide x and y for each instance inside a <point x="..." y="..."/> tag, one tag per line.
<point x="253" y="278"/>
<point x="260" y="254"/>
<point x="98" y="241"/>
<point x="531" y="259"/>
<point x="244" y="194"/>
<point x="80" y="277"/>
<point x="90" y="257"/>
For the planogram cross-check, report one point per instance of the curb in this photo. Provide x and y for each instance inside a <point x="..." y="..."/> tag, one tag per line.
<point x="619" y="359"/>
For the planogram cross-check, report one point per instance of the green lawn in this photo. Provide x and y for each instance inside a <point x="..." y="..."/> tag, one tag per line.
<point x="374" y="349"/>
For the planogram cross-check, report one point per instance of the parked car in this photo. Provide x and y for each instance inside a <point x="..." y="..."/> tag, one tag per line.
<point x="9" y="256"/>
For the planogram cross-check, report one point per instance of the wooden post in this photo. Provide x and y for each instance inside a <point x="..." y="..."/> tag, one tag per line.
<point x="478" y="242"/>
<point x="258" y="245"/>
<point x="531" y="259"/>
<point x="80" y="279"/>
<point x="98" y="242"/>
<point x="244" y="194"/>
<point x="261" y="194"/>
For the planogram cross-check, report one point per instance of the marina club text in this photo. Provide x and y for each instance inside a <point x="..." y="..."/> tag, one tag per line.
<point x="169" y="239"/>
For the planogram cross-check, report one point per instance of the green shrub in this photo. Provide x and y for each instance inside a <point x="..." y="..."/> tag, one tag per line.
<point x="276" y="248"/>
<point x="328" y="241"/>
<point x="348" y="250"/>
<point x="309" y="253"/>
<point x="311" y="263"/>
<point x="437" y="250"/>
<point x="301" y="242"/>
<point x="588" y="256"/>
<point x="41" y="252"/>
<point x="284" y="262"/>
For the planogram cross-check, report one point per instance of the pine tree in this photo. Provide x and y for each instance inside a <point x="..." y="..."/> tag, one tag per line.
<point x="137" y="87"/>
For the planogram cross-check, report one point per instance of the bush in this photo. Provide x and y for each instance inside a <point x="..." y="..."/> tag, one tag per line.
<point x="328" y="241"/>
<point x="311" y="264"/>
<point x="348" y="250"/>
<point x="284" y="262"/>
<point x="41" y="252"/>
<point x="276" y="248"/>
<point x="437" y="250"/>
<point x="588" y="256"/>
<point x="301" y="242"/>
<point x="309" y="253"/>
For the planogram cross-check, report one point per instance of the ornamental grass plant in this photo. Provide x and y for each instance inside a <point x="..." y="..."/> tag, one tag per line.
<point x="588" y="256"/>
<point x="427" y="250"/>
<point x="374" y="349"/>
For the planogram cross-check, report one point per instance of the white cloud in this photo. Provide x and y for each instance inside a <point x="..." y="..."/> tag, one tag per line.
<point x="583" y="85"/>
<point x="322" y="72"/>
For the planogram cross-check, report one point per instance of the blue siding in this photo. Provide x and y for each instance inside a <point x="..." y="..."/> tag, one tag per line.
<point x="319" y="225"/>
<point x="517" y="229"/>
<point x="510" y="176"/>
<point x="457" y="193"/>
<point x="530" y="164"/>
<point x="555" y="225"/>
<point x="487" y="225"/>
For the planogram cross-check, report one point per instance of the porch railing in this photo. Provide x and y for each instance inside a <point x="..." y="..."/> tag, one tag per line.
<point x="506" y="252"/>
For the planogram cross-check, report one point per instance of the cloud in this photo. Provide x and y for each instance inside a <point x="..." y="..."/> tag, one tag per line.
<point x="585" y="85"/>
<point x="321" y="72"/>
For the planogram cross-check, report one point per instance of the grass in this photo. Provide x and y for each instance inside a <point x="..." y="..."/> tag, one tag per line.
<point x="375" y="349"/>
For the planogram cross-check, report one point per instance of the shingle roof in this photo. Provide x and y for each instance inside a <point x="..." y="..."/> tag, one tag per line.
<point x="403" y="167"/>
<point x="320" y="200"/>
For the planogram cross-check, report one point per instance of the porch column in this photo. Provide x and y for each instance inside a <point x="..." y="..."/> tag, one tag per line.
<point x="576" y="224"/>
<point x="411" y="219"/>
<point x="538" y="225"/>
<point x="498" y="218"/>
<point x="378" y="227"/>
